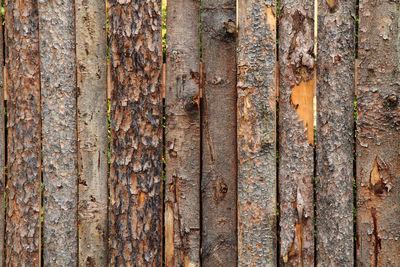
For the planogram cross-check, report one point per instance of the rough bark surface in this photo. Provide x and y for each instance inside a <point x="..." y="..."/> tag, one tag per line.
<point x="136" y="133"/>
<point x="59" y="145"/>
<point x="335" y="133"/>
<point x="256" y="134"/>
<point x="23" y="185"/>
<point x="92" y="131"/>
<point x="219" y="168"/>
<point x="296" y="153"/>
<point x="182" y="200"/>
<point x="378" y="134"/>
<point x="2" y="149"/>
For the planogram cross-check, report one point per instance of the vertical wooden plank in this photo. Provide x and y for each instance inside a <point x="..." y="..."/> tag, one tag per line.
<point x="335" y="133"/>
<point x="256" y="133"/>
<point x="182" y="199"/>
<point x="91" y="65"/>
<point x="2" y="148"/>
<point x="23" y="186"/>
<point x="378" y="134"/>
<point x="136" y="133"/>
<point x="59" y="145"/>
<point x="23" y="194"/>
<point x="219" y="168"/>
<point x="296" y="133"/>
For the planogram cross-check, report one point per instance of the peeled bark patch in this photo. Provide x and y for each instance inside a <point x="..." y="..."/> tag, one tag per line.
<point x="219" y="156"/>
<point x="296" y="132"/>
<point x="256" y="134"/>
<point x="23" y="185"/>
<point x="92" y="131"/>
<point x="136" y="133"/>
<point x="182" y="151"/>
<point x="335" y="133"/>
<point x="58" y="88"/>
<point x="378" y="134"/>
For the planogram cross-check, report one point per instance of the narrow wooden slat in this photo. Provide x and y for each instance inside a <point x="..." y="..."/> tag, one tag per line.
<point x="378" y="134"/>
<point x="335" y="133"/>
<point x="256" y="133"/>
<point x="91" y="57"/>
<point x="59" y="144"/>
<point x="219" y="168"/>
<point x="136" y="133"/>
<point x="182" y="198"/>
<point x="2" y="148"/>
<point x="296" y="132"/>
<point x="23" y="110"/>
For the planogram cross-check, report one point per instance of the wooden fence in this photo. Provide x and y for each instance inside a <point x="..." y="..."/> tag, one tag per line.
<point x="249" y="142"/>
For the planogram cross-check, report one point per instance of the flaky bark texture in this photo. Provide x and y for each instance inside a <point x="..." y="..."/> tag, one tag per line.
<point x="256" y="134"/>
<point x="23" y="186"/>
<point x="182" y="200"/>
<point x="219" y="168"/>
<point x="92" y="131"/>
<point x="2" y="149"/>
<point x="296" y="154"/>
<point x="335" y="133"/>
<point x="58" y="88"/>
<point x="378" y="134"/>
<point x="136" y="133"/>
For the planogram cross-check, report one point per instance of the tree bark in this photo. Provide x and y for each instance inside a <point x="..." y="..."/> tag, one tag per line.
<point x="23" y="84"/>
<point x="256" y="133"/>
<point x="92" y="131"/>
<point x="136" y="133"/>
<point x="296" y="123"/>
<point x="2" y="148"/>
<point x="182" y="200"/>
<point x="58" y="88"/>
<point x="219" y="167"/>
<point x="378" y="134"/>
<point x="335" y="133"/>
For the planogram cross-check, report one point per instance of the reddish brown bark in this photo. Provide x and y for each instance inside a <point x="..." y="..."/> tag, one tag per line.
<point x="296" y="123"/>
<point x="136" y="133"/>
<point x="23" y="110"/>
<point x="378" y="134"/>
<point x="256" y="118"/>
<point x="219" y="156"/>
<point x="335" y="133"/>
<point x="182" y="200"/>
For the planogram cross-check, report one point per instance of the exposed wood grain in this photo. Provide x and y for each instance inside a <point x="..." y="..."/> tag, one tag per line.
<point x="92" y="131"/>
<point x="296" y="123"/>
<point x="335" y="133"/>
<point x="256" y="133"/>
<point x="378" y="134"/>
<point x="182" y="199"/>
<point x="23" y="84"/>
<point x="219" y="156"/>
<point x="136" y="133"/>
<point x="59" y="132"/>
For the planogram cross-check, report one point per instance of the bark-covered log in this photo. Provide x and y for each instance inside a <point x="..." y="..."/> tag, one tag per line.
<point x="2" y="148"/>
<point x="182" y="200"/>
<point x="378" y="134"/>
<point x="23" y="84"/>
<point x="335" y="133"/>
<point x="92" y="131"/>
<point x="136" y="133"/>
<point x="59" y="144"/>
<point x="256" y="134"/>
<point x="219" y="168"/>
<point x="296" y="119"/>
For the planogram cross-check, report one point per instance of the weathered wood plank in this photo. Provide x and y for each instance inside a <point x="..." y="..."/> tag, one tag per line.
<point x="92" y="131"/>
<point x="335" y="133"/>
<point x="378" y="134"/>
<point x="182" y="199"/>
<point x="296" y="132"/>
<point x="136" y="133"/>
<point x="256" y="133"/>
<point x="23" y="84"/>
<point x="59" y="144"/>
<point x="219" y="167"/>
